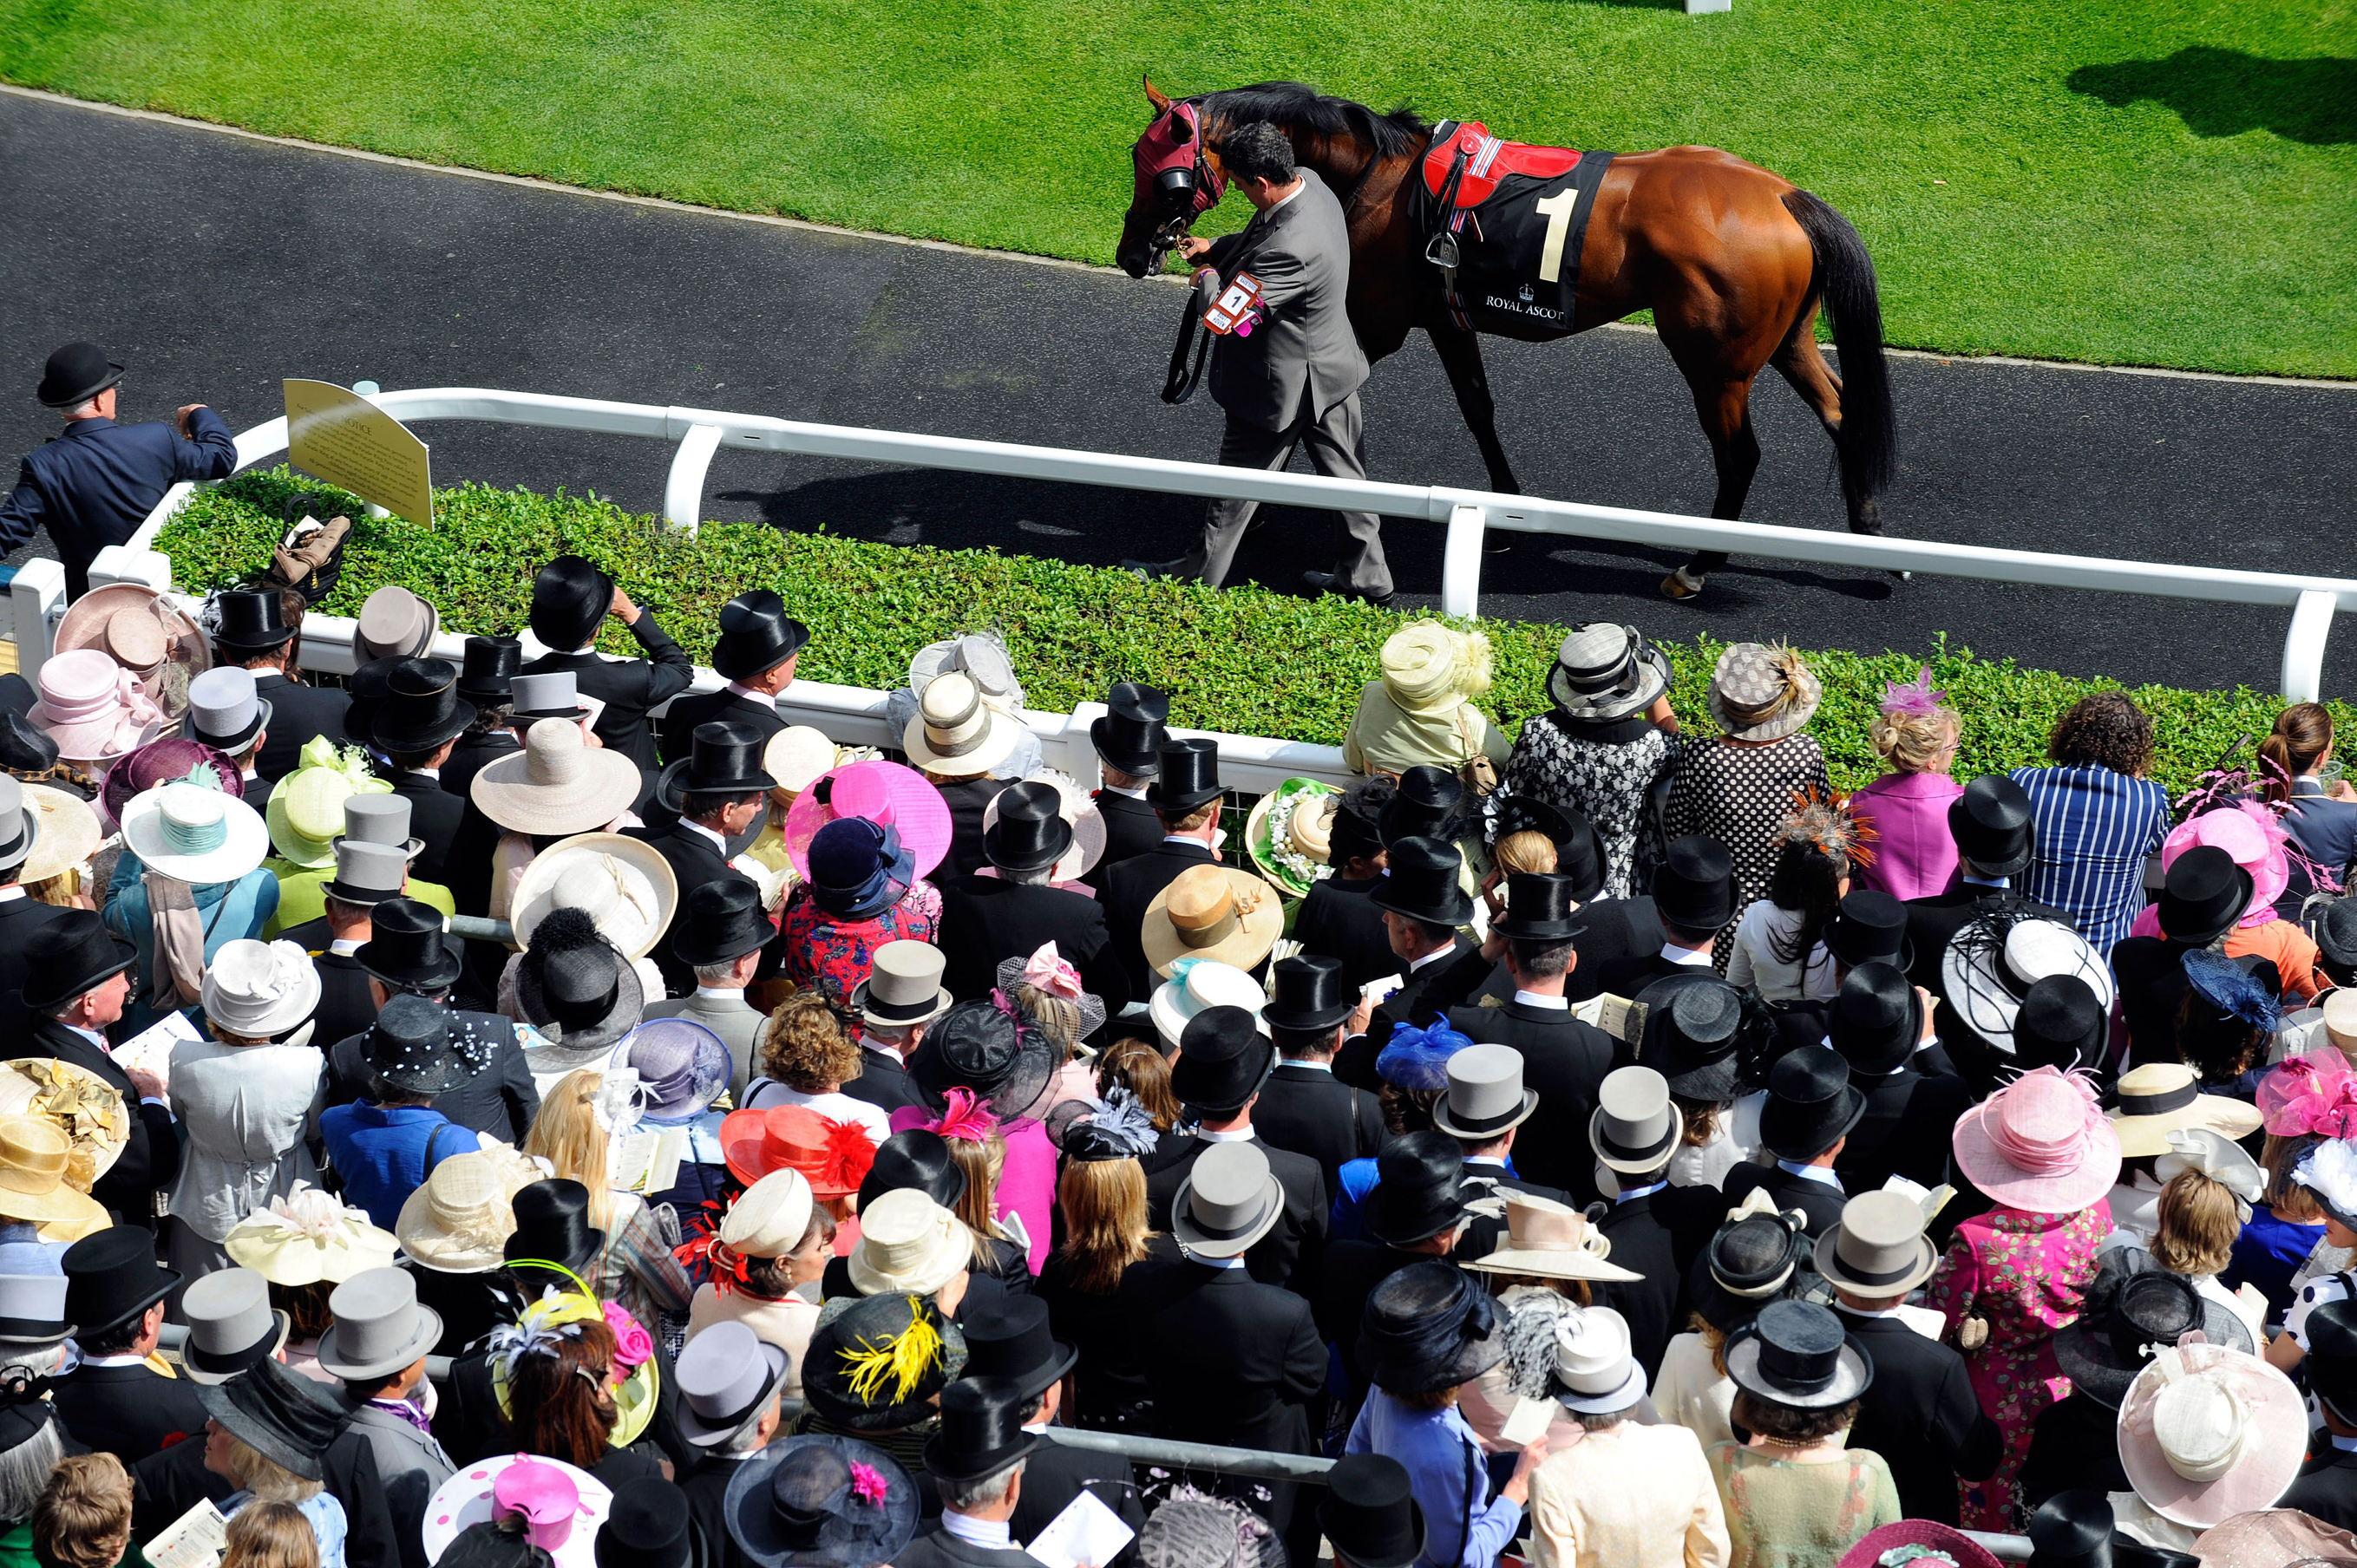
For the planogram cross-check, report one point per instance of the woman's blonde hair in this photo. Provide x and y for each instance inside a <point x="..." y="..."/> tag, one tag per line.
<point x="61" y="891"/>
<point x="1527" y="851"/>
<point x="272" y="1535"/>
<point x="804" y="1046"/>
<point x="977" y="1209"/>
<point x="1915" y="742"/>
<point x="567" y="1134"/>
<point x="2199" y="1222"/>
<point x="1058" y="1017"/>
<point x="266" y="1478"/>
<point x="1103" y="1203"/>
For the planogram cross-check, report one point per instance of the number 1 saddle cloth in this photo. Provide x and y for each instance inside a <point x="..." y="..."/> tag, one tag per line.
<point x="1504" y="222"/>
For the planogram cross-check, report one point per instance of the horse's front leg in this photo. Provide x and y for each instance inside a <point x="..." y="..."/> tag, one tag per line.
<point x="1461" y="355"/>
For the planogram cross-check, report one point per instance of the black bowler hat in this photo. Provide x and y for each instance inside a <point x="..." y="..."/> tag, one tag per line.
<point x="724" y="759"/>
<point x="2206" y="893"/>
<point x="422" y="707"/>
<point x="981" y="1431"/>
<point x="552" y="1227"/>
<point x="719" y="922"/>
<point x="24" y="747"/>
<point x="757" y="635"/>
<point x="1006" y="1336"/>
<point x="1423" y="884"/>
<point x="405" y="949"/>
<point x="1129" y="736"/>
<point x="914" y="1158"/>
<point x="1876" y="1021"/>
<point x="1187" y="775"/>
<point x="1992" y="825"/>
<point x="1693" y="1032"/>
<point x="1811" y="1104"/>
<point x="112" y="1276"/>
<point x="68" y="954"/>
<point x="1430" y="804"/>
<point x="1419" y="1188"/>
<point x="1869" y="925"/>
<point x="251" y="620"/>
<point x="2331" y="1361"/>
<point x="1693" y="887"/>
<point x="646" y="1527"/>
<point x="1031" y="833"/>
<point x="1222" y="1061"/>
<point x="412" y="1046"/>
<point x="2071" y="1530"/>
<point x="1539" y="906"/>
<point x="1309" y="992"/>
<point x="570" y="598"/>
<point x="1370" y="1513"/>
<point x="2061" y="1023"/>
<point x="76" y="373"/>
<point x="489" y="668"/>
<point x="370" y="684"/>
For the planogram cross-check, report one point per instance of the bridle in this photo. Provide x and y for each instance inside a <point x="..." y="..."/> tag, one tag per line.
<point x="1173" y="168"/>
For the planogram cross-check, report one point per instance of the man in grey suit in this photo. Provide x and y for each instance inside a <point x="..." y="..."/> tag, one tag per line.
<point x="719" y="934"/>
<point x="378" y="1346"/>
<point x="1294" y="380"/>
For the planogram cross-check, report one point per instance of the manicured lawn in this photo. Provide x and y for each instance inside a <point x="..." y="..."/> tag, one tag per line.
<point x="2168" y="182"/>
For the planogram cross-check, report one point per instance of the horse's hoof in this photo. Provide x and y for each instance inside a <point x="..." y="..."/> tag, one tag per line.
<point x="1900" y="573"/>
<point x="1681" y="584"/>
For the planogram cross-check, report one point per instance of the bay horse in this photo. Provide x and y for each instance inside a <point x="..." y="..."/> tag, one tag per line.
<point x="1733" y="260"/>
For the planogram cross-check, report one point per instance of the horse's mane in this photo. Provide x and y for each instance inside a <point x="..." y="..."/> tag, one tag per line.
<point x="1305" y="109"/>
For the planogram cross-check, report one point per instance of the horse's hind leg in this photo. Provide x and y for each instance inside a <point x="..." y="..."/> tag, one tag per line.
<point x="1800" y="362"/>
<point x="1461" y="356"/>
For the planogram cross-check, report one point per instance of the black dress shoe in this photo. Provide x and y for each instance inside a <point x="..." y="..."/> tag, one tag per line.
<point x="1324" y="582"/>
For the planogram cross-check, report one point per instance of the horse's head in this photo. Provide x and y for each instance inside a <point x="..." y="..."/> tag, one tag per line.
<point x="1178" y="178"/>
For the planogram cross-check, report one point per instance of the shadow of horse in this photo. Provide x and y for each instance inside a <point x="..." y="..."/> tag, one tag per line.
<point x="2224" y="92"/>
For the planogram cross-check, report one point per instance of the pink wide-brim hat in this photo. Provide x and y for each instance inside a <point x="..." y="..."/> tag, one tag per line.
<point x="93" y="707"/>
<point x="883" y="792"/>
<point x="2040" y="1144"/>
<point x="2274" y="1437"/>
<point x="1915" y="1540"/>
<point x="2256" y="844"/>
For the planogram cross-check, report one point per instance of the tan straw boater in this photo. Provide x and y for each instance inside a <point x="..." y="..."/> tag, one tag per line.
<point x="34" y="1157"/>
<point x="1215" y="912"/>
<point x="79" y="1103"/>
<point x="955" y="733"/>
<point x="558" y="784"/>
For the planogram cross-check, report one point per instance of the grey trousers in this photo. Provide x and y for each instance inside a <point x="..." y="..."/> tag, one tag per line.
<point x="1338" y="449"/>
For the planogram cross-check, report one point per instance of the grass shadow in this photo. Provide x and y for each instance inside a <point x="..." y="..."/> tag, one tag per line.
<point x="2224" y="92"/>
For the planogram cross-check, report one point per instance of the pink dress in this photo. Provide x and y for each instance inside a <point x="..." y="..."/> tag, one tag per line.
<point x="1026" y="1186"/>
<point x="1914" y="853"/>
<point x="2024" y="1274"/>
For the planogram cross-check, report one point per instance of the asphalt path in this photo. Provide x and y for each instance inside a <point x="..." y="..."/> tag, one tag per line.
<point x="214" y="265"/>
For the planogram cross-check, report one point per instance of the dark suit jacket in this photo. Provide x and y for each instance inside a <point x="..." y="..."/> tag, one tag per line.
<point x="694" y="860"/>
<point x="150" y="1160"/>
<point x="1909" y="1123"/>
<point x="168" y="1485"/>
<point x="434" y="816"/>
<point x="1659" y="1236"/>
<point x="1625" y="977"/>
<point x="1056" y="1473"/>
<point x="988" y="919"/>
<point x="20" y="919"/>
<point x="2152" y="986"/>
<point x="1565" y="1060"/>
<point x="1922" y="1416"/>
<point x="966" y="799"/>
<point x="1613" y="932"/>
<point x="884" y="1080"/>
<point x="475" y="748"/>
<point x="93" y="485"/>
<point x="937" y="1548"/>
<point x="707" y="1486"/>
<point x="1423" y="995"/>
<point x="1337" y="1303"/>
<point x="1292" y="1250"/>
<point x="499" y="1101"/>
<point x="2074" y="1442"/>
<point x="346" y="1008"/>
<point x="628" y="687"/>
<point x="1131" y="829"/>
<point x="1130" y="887"/>
<point x="1310" y="1111"/>
<point x="1338" y="920"/>
<point x="1234" y="1361"/>
<point x="299" y="714"/>
<point x="1822" y="1204"/>
<point x="695" y="708"/>
<point x="2327" y="1487"/>
<point x="129" y="1411"/>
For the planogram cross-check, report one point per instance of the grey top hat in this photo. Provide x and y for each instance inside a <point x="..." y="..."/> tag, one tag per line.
<point x="367" y="872"/>
<point x="394" y="623"/>
<point x="20" y="825"/>
<point x="1229" y="1202"/>
<point x="380" y="1330"/>
<point x="1636" y="1127"/>
<point x="1878" y="1249"/>
<point x="224" y="710"/>
<point x="551" y="694"/>
<point x="230" y="1324"/>
<point x="33" y="1310"/>
<point x="903" y="986"/>
<point x="380" y="820"/>
<point x="727" y="1375"/>
<point x="1486" y="1096"/>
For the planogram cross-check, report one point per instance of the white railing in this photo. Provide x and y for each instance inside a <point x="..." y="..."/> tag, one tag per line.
<point x="1466" y="514"/>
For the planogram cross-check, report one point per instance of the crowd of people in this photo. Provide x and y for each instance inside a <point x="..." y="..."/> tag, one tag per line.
<point x="1609" y="1145"/>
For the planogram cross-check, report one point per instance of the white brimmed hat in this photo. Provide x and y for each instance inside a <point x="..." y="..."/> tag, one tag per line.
<point x="68" y="833"/>
<point x="193" y="834"/>
<point x="1636" y="1127"/>
<point x="2206" y="1433"/>
<point x="1205" y="983"/>
<point x="308" y="1236"/>
<point x="1595" y="1372"/>
<point x="2026" y="952"/>
<point x="259" y="990"/>
<point x="465" y="1500"/>
<point x="557" y="784"/>
<point x="908" y="1244"/>
<point x="955" y="733"/>
<point x="2156" y="1099"/>
<point x="798" y="756"/>
<point x="459" y="1220"/>
<point x="624" y="885"/>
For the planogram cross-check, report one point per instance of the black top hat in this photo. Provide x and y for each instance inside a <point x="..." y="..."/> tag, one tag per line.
<point x="1370" y="1513"/>
<point x="2331" y="1361"/>
<point x="1007" y="1338"/>
<point x="1429" y="1327"/>
<point x="76" y="373"/>
<point x="720" y="922"/>
<point x="2129" y="1309"/>
<point x="1749" y="1263"/>
<point x="1539" y="906"/>
<point x="2335" y="933"/>
<point x="24" y="747"/>
<point x="570" y="598"/>
<point x="1031" y="833"/>
<point x="1419" y="1188"/>
<point x="1876" y="1021"/>
<point x="2205" y="893"/>
<point x="405" y="949"/>
<point x="280" y="1414"/>
<point x="756" y="634"/>
<point x="2061" y="1023"/>
<point x="572" y="977"/>
<point x="796" y="1505"/>
<point x="1006" y="1060"/>
<point x="1357" y="815"/>
<point x="251" y="620"/>
<point x="1992" y="825"/>
<point x="1429" y="803"/>
<point x="489" y="669"/>
<point x="646" y="1527"/>
<point x="1795" y="1354"/>
<point x="488" y="1544"/>
<point x="1693" y="887"/>
<point x="552" y="1227"/>
<point x="422" y="707"/>
<point x="2071" y="1530"/>
<point x="368" y="686"/>
<point x="70" y="953"/>
<point x="1869" y="926"/>
<point x="724" y="759"/>
<point x="1423" y="884"/>
<point x="838" y="1376"/>
<point x="981" y="1431"/>
<point x="1811" y="1104"/>
<point x="914" y="1158"/>
<point x="1694" y="1030"/>
<point x="1309" y="992"/>
<point x="1129" y="736"/>
<point x="112" y="1276"/>
<point x="1222" y="1061"/>
<point x="1187" y="775"/>
<point x="413" y="1046"/>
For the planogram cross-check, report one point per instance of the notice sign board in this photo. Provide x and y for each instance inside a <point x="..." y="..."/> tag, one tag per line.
<point x="339" y="437"/>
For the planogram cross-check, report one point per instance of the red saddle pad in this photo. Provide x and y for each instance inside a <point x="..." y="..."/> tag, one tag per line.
<point x="1488" y="160"/>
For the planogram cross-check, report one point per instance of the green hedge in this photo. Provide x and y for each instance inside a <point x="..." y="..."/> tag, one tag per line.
<point x="1243" y="661"/>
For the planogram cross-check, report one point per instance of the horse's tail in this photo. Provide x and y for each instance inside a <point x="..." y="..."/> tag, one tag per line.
<point x="1844" y="281"/>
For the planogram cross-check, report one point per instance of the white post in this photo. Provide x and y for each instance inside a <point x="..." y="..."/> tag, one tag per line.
<point x="37" y="601"/>
<point x="1080" y="758"/>
<point x="683" y="493"/>
<point x="1460" y="561"/>
<point x="120" y="564"/>
<point x="2303" y="660"/>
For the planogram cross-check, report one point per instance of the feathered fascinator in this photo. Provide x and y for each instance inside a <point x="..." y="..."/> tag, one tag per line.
<point x="842" y="1162"/>
<point x="902" y="1359"/>
<point x="1115" y="1128"/>
<point x="1823" y="823"/>
<point x="965" y="1118"/>
<point x="2329" y="1171"/>
<point x="1916" y="697"/>
<point x="559" y="1316"/>
<point x="2232" y="990"/>
<point x="2307" y="1095"/>
<point x="1417" y="1058"/>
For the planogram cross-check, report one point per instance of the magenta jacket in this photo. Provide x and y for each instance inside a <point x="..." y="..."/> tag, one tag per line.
<point x="1914" y="854"/>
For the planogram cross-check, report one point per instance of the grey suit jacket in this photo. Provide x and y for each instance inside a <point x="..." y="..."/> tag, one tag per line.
<point x="735" y="1022"/>
<point x="1303" y="357"/>
<point x="411" y="1465"/>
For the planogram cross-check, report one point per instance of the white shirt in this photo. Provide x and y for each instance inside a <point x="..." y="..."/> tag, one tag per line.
<point x="975" y="1532"/>
<point x="344" y="947"/>
<point x="1812" y="1173"/>
<point x="707" y="832"/>
<point x="1688" y="956"/>
<point x="114" y="1360"/>
<point x="433" y="773"/>
<point x="11" y="891"/>
<point x="764" y="698"/>
<point x="1136" y="794"/>
<point x="1532" y="999"/>
<point x="1188" y="838"/>
<point x="1299" y="185"/>
<point x="1232" y="1136"/>
<point x="1434" y="956"/>
<point x="2346" y="1445"/>
<point x="1314" y="1067"/>
<point x="723" y="993"/>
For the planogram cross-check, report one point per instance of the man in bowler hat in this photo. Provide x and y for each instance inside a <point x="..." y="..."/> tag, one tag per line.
<point x="95" y="484"/>
<point x="987" y="920"/>
<point x="1128" y="741"/>
<point x="570" y="598"/>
